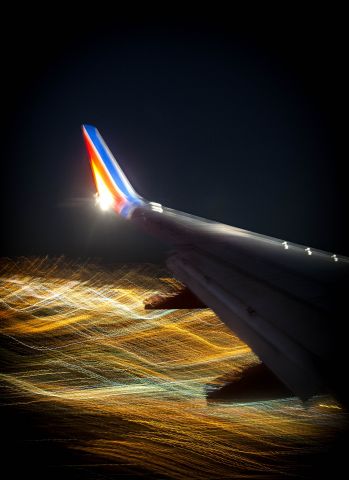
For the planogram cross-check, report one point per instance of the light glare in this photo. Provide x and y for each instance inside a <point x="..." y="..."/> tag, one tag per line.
<point x="104" y="197"/>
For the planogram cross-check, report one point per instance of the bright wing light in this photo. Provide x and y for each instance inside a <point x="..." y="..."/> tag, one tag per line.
<point x="105" y="198"/>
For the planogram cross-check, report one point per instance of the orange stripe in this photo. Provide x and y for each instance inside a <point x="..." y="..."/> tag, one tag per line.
<point x="119" y="200"/>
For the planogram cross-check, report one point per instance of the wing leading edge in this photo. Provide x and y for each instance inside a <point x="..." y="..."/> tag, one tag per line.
<point x="284" y="300"/>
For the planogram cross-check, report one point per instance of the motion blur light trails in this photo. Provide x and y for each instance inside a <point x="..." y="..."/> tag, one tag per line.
<point x="80" y="345"/>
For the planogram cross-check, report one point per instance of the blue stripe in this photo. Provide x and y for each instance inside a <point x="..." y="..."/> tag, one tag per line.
<point x="130" y="205"/>
<point x="109" y="163"/>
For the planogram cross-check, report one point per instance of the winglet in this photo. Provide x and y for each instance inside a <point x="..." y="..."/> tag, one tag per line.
<point x="113" y="189"/>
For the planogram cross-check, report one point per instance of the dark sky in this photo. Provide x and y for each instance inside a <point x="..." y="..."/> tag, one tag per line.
<point x="237" y="120"/>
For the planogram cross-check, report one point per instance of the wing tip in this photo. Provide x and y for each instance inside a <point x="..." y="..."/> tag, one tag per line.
<point x="110" y="180"/>
<point x="86" y="127"/>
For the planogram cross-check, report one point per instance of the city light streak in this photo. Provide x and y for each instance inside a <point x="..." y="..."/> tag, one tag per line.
<point x="136" y="380"/>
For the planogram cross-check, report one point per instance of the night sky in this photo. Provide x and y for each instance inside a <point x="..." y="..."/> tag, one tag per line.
<point x="236" y="120"/>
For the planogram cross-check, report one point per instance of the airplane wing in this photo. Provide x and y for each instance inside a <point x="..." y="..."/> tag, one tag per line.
<point x="284" y="300"/>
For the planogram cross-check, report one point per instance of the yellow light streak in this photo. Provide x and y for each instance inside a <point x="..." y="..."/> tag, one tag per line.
<point x="135" y="380"/>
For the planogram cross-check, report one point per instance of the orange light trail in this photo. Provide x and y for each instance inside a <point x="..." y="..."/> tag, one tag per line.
<point x="136" y="380"/>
